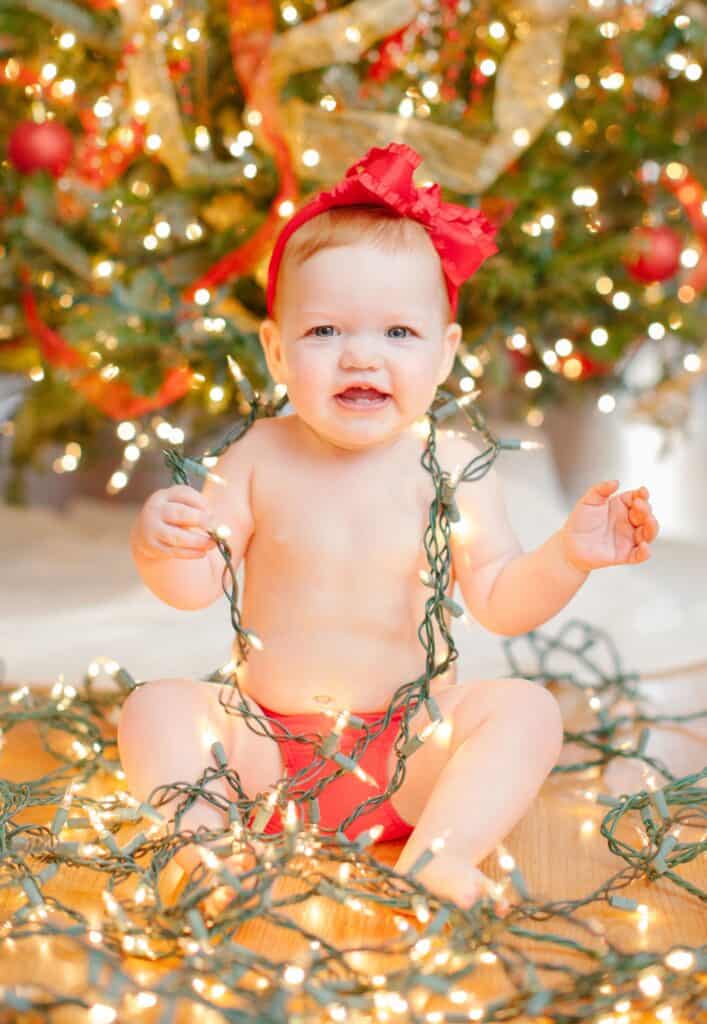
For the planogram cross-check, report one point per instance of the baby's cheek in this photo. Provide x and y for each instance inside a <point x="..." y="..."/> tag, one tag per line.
<point x="308" y="376"/>
<point x="419" y="389"/>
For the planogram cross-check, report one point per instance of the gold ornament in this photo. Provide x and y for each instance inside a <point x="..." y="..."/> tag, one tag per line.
<point x="223" y="211"/>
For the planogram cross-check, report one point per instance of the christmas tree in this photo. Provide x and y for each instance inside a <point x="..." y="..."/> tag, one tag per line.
<point x="153" y="151"/>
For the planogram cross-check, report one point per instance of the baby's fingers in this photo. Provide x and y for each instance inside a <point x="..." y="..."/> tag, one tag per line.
<point x="186" y="494"/>
<point x="641" y="516"/>
<point x="637" y="511"/>
<point x="640" y="553"/>
<point x="598" y="493"/>
<point x="648" y="530"/>
<point x="184" y="515"/>
<point x="175" y="540"/>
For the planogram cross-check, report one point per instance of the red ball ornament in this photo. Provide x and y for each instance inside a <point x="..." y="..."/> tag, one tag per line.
<point x="589" y="367"/>
<point x="653" y="254"/>
<point x="40" y="147"/>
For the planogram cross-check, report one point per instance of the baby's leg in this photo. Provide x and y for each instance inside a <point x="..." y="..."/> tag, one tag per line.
<point x="165" y="732"/>
<point x="506" y="738"/>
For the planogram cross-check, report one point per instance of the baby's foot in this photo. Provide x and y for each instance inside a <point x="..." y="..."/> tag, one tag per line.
<point x="451" y="876"/>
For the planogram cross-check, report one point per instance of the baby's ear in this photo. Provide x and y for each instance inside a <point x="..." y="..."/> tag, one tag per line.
<point x="266" y="330"/>
<point x="270" y="340"/>
<point x="452" y="337"/>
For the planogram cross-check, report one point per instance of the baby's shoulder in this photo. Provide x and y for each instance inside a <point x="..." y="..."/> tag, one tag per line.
<point x="256" y="438"/>
<point x="455" y="448"/>
<point x="458" y="452"/>
<point x="236" y="464"/>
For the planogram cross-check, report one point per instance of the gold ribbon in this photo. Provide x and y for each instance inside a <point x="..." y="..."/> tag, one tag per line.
<point x="529" y="73"/>
<point x="149" y="79"/>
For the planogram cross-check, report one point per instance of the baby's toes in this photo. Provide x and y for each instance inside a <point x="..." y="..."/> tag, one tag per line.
<point x="451" y="876"/>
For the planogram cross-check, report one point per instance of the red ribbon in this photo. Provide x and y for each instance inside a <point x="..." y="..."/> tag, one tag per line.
<point x="115" y="398"/>
<point x="252" y="27"/>
<point x="462" y="236"/>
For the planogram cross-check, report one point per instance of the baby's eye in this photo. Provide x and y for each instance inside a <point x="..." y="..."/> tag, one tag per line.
<point x="326" y="327"/>
<point x="320" y="327"/>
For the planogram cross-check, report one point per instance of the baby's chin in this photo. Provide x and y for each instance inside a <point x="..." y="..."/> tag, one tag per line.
<point x="361" y="434"/>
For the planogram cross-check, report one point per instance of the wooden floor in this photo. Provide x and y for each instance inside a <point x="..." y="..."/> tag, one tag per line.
<point x="557" y="846"/>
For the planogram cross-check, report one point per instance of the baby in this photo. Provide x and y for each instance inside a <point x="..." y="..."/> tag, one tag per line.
<point x="328" y="507"/>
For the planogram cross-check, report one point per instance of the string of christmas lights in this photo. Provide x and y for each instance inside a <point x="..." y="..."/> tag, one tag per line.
<point x="429" y="969"/>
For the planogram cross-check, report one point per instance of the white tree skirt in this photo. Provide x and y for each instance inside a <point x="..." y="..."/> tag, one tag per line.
<point x="69" y="592"/>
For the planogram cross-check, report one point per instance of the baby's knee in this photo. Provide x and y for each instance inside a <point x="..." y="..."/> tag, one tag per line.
<point x="159" y="692"/>
<point x="541" y="711"/>
<point x="154" y="701"/>
<point x="534" y="707"/>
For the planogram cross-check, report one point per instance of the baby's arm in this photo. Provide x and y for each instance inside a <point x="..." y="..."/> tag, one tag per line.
<point x="189" y="581"/>
<point x="507" y="590"/>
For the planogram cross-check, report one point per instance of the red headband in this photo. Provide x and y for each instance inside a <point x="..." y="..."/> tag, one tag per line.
<point x="462" y="236"/>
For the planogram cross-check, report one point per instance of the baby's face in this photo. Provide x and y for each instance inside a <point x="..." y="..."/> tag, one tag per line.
<point x="356" y="314"/>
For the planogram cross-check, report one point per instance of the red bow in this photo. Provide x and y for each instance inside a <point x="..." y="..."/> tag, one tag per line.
<point x="462" y="236"/>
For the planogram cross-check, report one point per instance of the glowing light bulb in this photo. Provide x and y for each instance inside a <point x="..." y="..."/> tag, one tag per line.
<point x="505" y="859"/>
<point x="143" y="1000"/>
<point x="650" y="985"/>
<point x="430" y="728"/>
<point x="255" y="640"/>
<point x="209" y="858"/>
<point x="235" y="369"/>
<point x="293" y="974"/>
<point x="439" y="842"/>
<point x="100" y="1013"/>
<point x="364" y="776"/>
<point x="680" y="959"/>
<point x="291" y="816"/>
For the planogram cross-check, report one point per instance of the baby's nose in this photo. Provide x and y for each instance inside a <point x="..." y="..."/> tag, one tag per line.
<point x="361" y="350"/>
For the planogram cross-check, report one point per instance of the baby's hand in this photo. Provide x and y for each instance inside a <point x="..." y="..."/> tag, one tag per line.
<point x="602" y="531"/>
<point x="173" y="523"/>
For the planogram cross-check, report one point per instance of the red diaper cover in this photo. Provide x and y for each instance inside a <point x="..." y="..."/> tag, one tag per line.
<point x="340" y="798"/>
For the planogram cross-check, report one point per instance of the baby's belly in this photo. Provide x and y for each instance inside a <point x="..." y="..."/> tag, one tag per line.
<point x="358" y="673"/>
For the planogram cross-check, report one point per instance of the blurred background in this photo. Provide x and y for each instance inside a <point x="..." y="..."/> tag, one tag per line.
<point x="151" y="153"/>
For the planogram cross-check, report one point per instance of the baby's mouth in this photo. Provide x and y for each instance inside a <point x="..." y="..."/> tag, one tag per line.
<point x="362" y="398"/>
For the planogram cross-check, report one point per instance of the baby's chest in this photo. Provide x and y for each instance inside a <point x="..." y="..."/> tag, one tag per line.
<point x="353" y="535"/>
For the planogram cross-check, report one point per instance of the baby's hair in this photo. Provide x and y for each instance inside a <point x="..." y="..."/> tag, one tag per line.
<point x="345" y="225"/>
